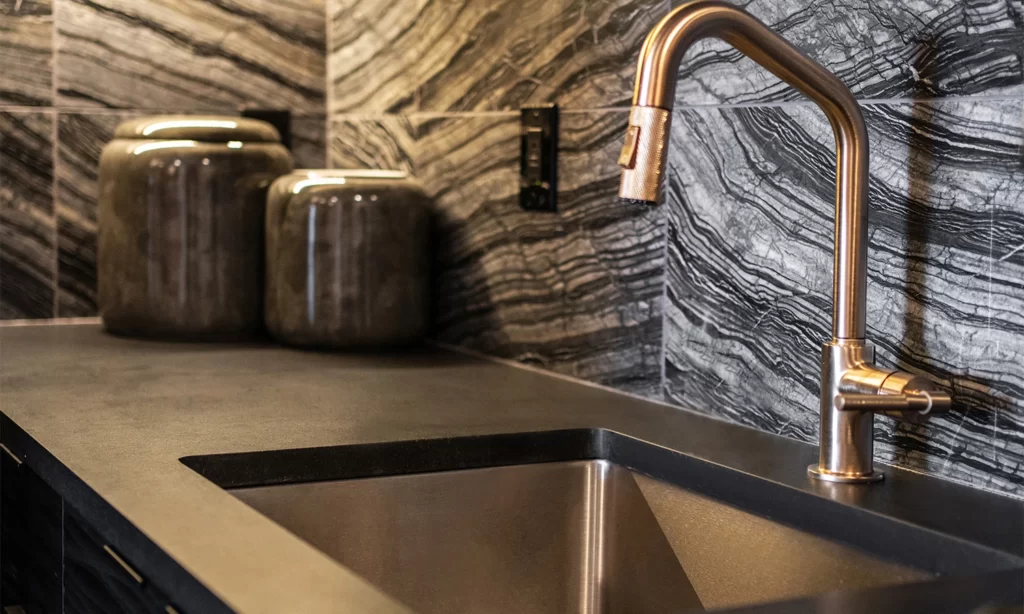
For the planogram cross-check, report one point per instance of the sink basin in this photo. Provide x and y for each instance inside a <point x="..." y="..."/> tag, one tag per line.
<point x="585" y="521"/>
<point x="552" y="537"/>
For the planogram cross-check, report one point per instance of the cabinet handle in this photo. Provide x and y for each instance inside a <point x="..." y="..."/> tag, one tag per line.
<point x="124" y="565"/>
<point x="11" y="454"/>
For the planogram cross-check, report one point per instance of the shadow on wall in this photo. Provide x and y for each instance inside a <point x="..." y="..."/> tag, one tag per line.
<point x="463" y="310"/>
<point x="969" y="392"/>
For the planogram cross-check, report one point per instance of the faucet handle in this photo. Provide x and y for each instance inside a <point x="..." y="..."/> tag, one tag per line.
<point x="916" y="403"/>
<point x="898" y="394"/>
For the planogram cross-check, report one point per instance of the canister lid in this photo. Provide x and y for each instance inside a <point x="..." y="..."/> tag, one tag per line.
<point x="309" y="179"/>
<point x="208" y="128"/>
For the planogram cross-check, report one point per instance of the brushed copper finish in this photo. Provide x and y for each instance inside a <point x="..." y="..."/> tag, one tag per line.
<point x="644" y="154"/>
<point x="853" y="389"/>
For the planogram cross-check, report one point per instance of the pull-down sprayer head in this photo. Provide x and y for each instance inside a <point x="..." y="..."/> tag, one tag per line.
<point x="644" y="153"/>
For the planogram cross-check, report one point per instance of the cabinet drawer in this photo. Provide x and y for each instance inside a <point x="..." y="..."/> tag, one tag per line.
<point x="98" y="580"/>
<point x="30" y="539"/>
<point x="53" y="562"/>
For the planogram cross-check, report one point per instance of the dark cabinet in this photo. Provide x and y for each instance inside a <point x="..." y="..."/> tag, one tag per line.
<point x="52" y="561"/>
<point x="30" y="540"/>
<point x="97" y="580"/>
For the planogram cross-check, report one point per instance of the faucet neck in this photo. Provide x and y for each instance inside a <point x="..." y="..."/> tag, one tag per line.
<point x="655" y="87"/>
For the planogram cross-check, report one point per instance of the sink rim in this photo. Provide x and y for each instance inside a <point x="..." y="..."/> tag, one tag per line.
<point x="884" y="526"/>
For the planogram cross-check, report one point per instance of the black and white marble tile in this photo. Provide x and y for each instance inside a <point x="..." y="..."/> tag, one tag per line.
<point x="27" y="258"/>
<point x="81" y="138"/>
<point x="309" y="141"/>
<point x="577" y="291"/>
<point x="484" y="55"/>
<point x="750" y="204"/>
<point x="191" y="55"/>
<point x="385" y="142"/>
<point x="26" y="52"/>
<point x="882" y="49"/>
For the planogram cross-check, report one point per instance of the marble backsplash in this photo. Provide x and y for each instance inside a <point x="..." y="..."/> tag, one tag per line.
<point x="578" y="291"/>
<point x="443" y="56"/>
<point x="750" y="206"/>
<point x="716" y="301"/>
<point x="719" y="300"/>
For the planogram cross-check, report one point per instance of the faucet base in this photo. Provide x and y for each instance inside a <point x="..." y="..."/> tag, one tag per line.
<point x="842" y="478"/>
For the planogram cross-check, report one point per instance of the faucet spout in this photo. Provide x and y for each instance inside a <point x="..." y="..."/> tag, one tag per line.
<point x="646" y="150"/>
<point x="853" y="389"/>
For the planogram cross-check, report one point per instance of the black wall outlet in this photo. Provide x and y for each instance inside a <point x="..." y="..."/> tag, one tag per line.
<point x="280" y="119"/>
<point x="538" y="158"/>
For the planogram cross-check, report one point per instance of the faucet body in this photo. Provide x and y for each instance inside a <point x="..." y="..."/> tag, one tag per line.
<point x="853" y="389"/>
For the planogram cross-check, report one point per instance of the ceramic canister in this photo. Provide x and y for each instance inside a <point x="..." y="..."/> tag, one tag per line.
<point x="348" y="259"/>
<point x="181" y="214"/>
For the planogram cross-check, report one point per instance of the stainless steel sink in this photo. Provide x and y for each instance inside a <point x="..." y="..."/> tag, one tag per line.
<point x="556" y="537"/>
<point x="584" y="536"/>
<point x="560" y="524"/>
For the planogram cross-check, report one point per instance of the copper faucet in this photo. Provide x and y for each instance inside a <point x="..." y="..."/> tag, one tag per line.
<point x="853" y="389"/>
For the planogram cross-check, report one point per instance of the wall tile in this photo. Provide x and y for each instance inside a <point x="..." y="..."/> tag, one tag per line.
<point x="191" y="55"/>
<point x="386" y="142"/>
<point x="577" y="291"/>
<point x="309" y="141"/>
<point x="27" y="257"/>
<point x="476" y="55"/>
<point x="880" y="48"/>
<point x="750" y="246"/>
<point x="81" y="138"/>
<point x="26" y="52"/>
<point x="484" y="55"/>
<point x="368" y="64"/>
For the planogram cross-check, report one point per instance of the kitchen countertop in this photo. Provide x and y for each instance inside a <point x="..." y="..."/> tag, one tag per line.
<point x="113" y="416"/>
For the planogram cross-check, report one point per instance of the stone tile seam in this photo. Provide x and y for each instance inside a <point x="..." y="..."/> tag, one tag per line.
<point x="55" y="160"/>
<point x="328" y="81"/>
<point x="751" y="105"/>
<point x="108" y="111"/>
<point x="663" y="356"/>
<point x="306" y="114"/>
<point x="55" y="214"/>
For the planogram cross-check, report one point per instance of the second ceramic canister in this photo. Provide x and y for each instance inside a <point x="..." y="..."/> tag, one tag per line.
<point x="348" y="259"/>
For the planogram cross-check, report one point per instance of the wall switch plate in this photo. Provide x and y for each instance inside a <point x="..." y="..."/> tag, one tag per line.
<point x="538" y="158"/>
<point x="278" y="118"/>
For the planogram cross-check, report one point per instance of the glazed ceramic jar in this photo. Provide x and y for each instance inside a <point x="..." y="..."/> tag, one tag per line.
<point x="348" y="259"/>
<point x="181" y="211"/>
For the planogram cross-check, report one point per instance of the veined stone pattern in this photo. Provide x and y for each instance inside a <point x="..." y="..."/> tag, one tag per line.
<point x="578" y="291"/>
<point x="750" y="198"/>
<point x="405" y="56"/>
<point x="27" y="254"/>
<point x="191" y="55"/>
<point x="26" y="52"/>
<point x="751" y="202"/>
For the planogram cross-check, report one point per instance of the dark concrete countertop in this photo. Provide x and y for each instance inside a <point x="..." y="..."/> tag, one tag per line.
<point x="112" y="417"/>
